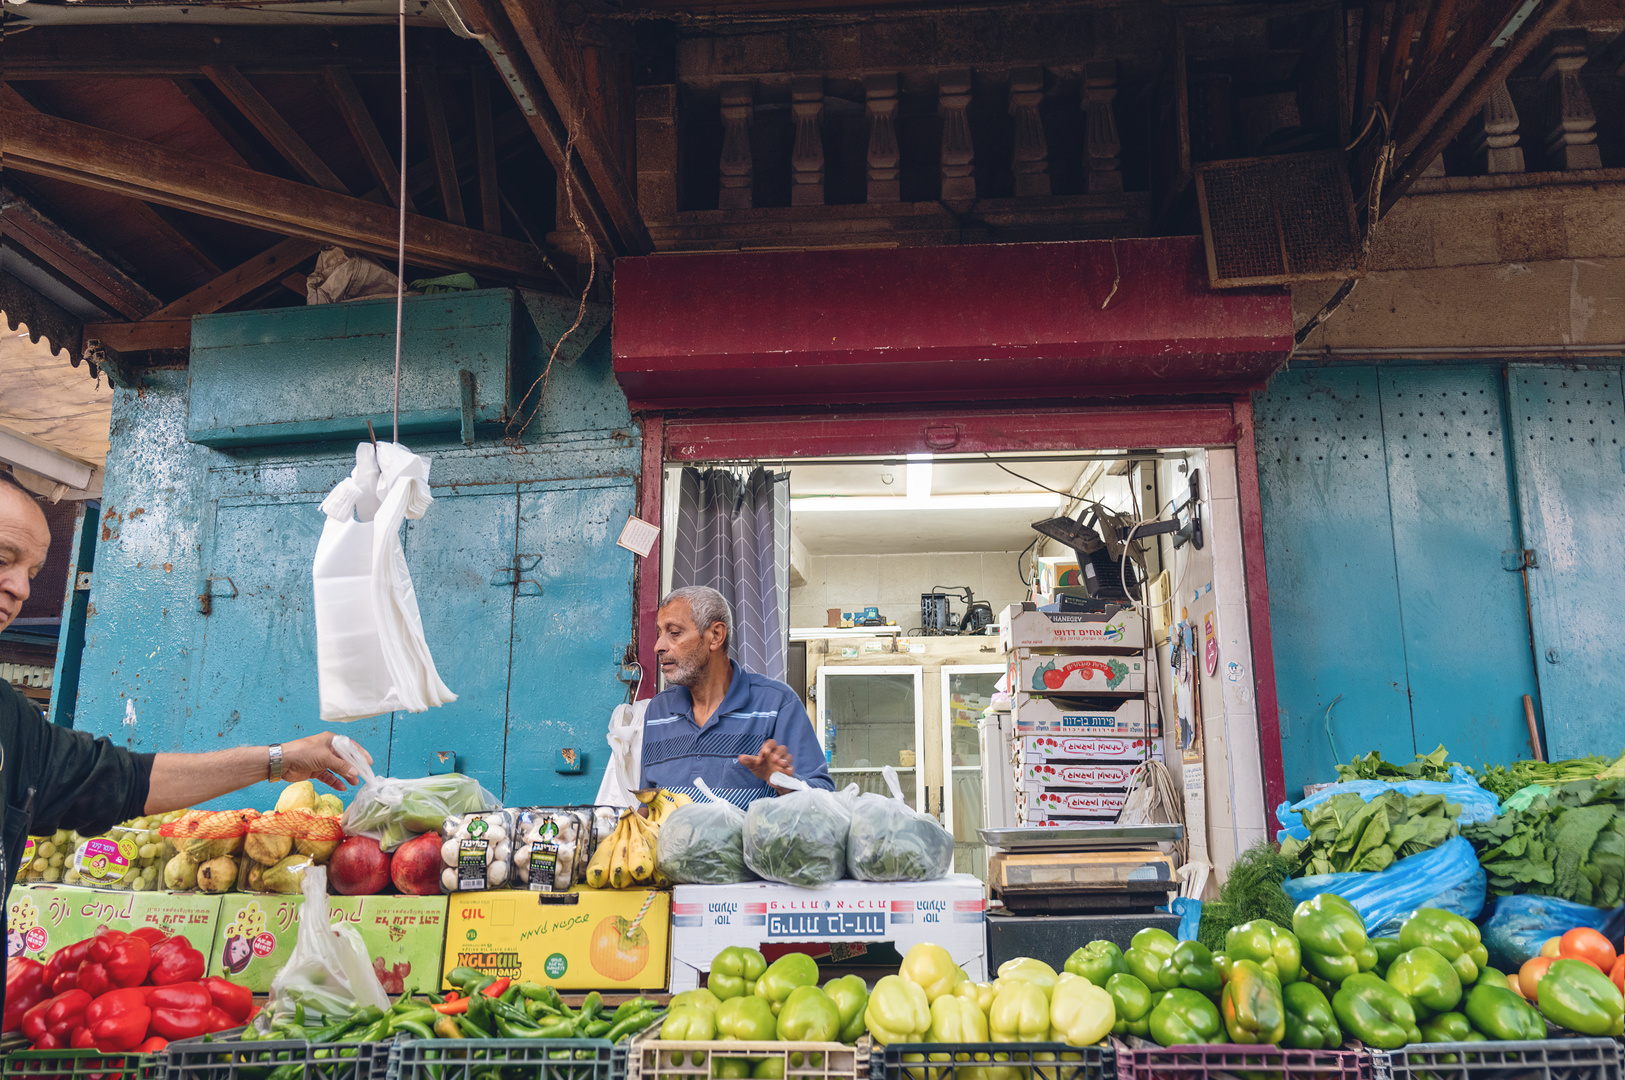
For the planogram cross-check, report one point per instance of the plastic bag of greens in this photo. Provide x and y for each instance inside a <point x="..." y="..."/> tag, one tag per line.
<point x="1446" y="877"/>
<point x="799" y="838"/>
<point x="891" y="841"/>
<point x="703" y="842"/>
<point x="329" y="974"/>
<point x="393" y="811"/>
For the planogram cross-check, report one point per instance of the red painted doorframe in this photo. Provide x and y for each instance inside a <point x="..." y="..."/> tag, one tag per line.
<point x="770" y="435"/>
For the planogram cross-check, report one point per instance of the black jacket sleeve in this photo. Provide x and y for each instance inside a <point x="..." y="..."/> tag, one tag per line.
<point x="65" y="779"/>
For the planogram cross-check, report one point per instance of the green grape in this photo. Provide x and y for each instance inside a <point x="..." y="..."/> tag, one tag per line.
<point x="61" y="837"/>
<point x="70" y="877"/>
<point x="39" y="865"/>
<point x="148" y="853"/>
<point x="57" y="861"/>
<point x="45" y="849"/>
<point x="53" y="874"/>
<point x="150" y="873"/>
<point x="139" y="885"/>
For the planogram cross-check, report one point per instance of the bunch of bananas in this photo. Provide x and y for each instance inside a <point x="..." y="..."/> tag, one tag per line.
<point x="625" y="859"/>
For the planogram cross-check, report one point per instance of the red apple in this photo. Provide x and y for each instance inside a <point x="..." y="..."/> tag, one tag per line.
<point x="416" y="868"/>
<point x="359" y="867"/>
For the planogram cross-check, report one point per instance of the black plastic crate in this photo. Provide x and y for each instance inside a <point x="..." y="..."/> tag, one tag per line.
<point x="225" y="1056"/>
<point x="81" y="1065"/>
<point x="943" y="1061"/>
<point x="1540" y="1059"/>
<point x="516" y="1059"/>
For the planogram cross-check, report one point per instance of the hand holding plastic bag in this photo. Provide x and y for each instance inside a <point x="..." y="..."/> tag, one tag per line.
<point x="703" y="843"/>
<point x="891" y="841"/>
<point x="393" y="811"/>
<point x="799" y="838"/>
<point x="329" y="974"/>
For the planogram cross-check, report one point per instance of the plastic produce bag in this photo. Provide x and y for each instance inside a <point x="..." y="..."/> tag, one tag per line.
<point x="1520" y="925"/>
<point x="371" y="657"/>
<point x="623" y="774"/>
<point x="799" y="838"/>
<point x="703" y="843"/>
<point x="891" y="841"/>
<point x="1476" y="803"/>
<point x="1447" y="877"/>
<point x="393" y="811"/>
<point x="329" y="973"/>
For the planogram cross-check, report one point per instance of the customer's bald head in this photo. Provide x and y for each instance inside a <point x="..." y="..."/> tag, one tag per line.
<point x="24" y="539"/>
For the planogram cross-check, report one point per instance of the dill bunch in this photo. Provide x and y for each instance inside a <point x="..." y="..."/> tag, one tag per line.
<point x="1251" y="891"/>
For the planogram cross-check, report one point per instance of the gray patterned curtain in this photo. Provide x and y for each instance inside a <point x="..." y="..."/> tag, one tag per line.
<point x="733" y="534"/>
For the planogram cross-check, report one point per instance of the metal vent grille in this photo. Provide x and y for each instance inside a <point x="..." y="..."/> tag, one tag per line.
<point x="1277" y="220"/>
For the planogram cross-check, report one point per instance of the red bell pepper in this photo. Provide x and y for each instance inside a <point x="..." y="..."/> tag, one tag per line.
<point x="153" y="936"/>
<point x="155" y="1045"/>
<point x="220" y="1020"/>
<point x="233" y="1000"/>
<point x="67" y="959"/>
<point x="50" y="1042"/>
<point x="67" y="980"/>
<point x="176" y="961"/>
<point x="93" y="979"/>
<point x="25" y="988"/>
<point x="180" y="1010"/>
<point x="125" y="957"/>
<point x="81" y="1039"/>
<point x="119" y="1020"/>
<point x="56" y="1017"/>
<point x="116" y="1001"/>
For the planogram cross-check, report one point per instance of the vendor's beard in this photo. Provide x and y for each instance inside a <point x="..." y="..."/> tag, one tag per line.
<point x="687" y="673"/>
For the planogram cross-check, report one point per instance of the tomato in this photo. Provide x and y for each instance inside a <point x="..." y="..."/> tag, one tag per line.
<point x="1618" y="974"/>
<point x="1529" y="976"/>
<point x="1551" y="946"/>
<point x="1584" y="943"/>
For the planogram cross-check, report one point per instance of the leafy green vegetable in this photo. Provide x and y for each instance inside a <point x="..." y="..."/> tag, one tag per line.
<point x="799" y="838"/>
<point x="1504" y="781"/>
<point x="1434" y="766"/>
<point x="890" y="841"/>
<point x="1252" y="890"/>
<point x="1569" y="844"/>
<point x="1347" y="834"/>
<point x="703" y="843"/>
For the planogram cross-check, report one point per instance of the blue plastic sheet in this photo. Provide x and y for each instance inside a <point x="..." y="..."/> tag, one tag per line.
<point x="1521" y="924"/>
<point x="1190" y="916"/>
<point x="1476" y="803"/>
<point x="1447" y="877"/>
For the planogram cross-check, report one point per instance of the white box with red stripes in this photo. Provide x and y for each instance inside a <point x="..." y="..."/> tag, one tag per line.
<point x="705" y="919"/>
<point x="1038" y="749"/>
<point x="1040" y="807"/>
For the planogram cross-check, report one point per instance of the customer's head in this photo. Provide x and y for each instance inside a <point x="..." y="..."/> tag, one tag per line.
<point x="24" y="539"/>
<point x="696" y="628"/>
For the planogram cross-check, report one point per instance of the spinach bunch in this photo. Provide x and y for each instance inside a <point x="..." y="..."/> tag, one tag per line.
<point x="1350" y="835"/>
<point x="1434" y="766"/>
<point x="891" y="841"/>
<point x="1569" y="844"/>
<point x="799" y="838"/>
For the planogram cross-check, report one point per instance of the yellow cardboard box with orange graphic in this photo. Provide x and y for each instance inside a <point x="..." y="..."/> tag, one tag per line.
<point x="586" y="939"/>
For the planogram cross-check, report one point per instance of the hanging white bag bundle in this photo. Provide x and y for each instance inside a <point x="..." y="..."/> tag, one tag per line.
<point x="371" y="656"/>
<point x="623" y="775"/>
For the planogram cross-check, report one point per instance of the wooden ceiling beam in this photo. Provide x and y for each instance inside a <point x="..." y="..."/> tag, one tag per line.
<point x="48" y="146"/>
<point x="158" y="219"/>
<point x="277" y="131"/>
<point x="341" y="87"/>
<point x="269" y="265"/>
<point x="445" y="163"/>
<point x="223" y="125"/>
<point x="74" y="260"/>
<point x="485" y="155"/>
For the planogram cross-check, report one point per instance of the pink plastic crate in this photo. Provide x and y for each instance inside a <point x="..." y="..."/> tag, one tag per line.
<point x="1209" y="1062"/>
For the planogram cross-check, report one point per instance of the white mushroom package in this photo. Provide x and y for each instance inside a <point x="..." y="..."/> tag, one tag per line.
<point x="477" y="852"/>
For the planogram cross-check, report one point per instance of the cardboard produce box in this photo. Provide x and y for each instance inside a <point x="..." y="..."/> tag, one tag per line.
<point x="40" y="919"/>
<point x="1036" y="776"/>
<point x="404" y="935"/>
<point x="1037" y="749"/>
<point x="1023" y="626"/>
<point x="949" y="912"/>
<point x="1039" y="807"/>
<point x="1037" y="715"/>
<point x="602" y="939"/>
<point x="1077" y="673"/>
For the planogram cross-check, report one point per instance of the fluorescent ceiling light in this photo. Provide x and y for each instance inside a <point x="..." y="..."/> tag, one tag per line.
<point x="917" y="482"/>
<point x="872" y="503"/>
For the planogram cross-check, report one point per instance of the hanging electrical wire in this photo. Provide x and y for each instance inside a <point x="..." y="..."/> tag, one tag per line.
<point x="400" y="239"/>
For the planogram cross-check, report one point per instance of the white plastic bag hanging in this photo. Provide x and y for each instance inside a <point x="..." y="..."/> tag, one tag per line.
<point x="624" y="773"/>
<point x="371" y="657"/>
<point x="329" y="973"/>
<point x="891" y="841"/>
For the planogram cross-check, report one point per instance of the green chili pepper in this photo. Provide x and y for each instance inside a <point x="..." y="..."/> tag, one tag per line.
<point x="630" y="1006"/>
<point x="636" y="1022"/>
<point x="597" y="1029"/>
<point x="591" y="1004"/>
<point x="472" y="1029"/>
<point x="416" y="1027"/>
<point x="462" y="976"/>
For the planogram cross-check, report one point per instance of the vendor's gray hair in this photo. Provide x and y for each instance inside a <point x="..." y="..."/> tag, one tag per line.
<point x="708" y="607"/>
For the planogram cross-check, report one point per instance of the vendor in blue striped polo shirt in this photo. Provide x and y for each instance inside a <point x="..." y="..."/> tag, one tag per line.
<point x="715" y="720"/>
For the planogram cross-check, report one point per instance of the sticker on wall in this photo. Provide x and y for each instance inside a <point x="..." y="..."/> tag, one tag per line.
<point x="1201" y="592"/>
<point x="1233" y="671"/>
<point x="1211" y="649"/>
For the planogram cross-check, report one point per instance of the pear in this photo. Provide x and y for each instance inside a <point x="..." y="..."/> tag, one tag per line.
<point x="180" y="874"/>
<point x="287" y="876"/>
<point x="329" y="805"/>
<point x="199" y="849"/>
<point x="217" y="875"/>
<point x="318" y="850"/>
<point x="255" y="881"/>
<point x="267" y="848"/>
<point x="300" y="796"/>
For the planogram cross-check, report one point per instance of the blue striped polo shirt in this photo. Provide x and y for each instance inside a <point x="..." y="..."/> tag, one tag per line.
<point x="756" y="708"/>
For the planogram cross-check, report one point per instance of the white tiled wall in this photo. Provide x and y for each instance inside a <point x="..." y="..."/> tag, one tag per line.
<point x="894" y="583"/>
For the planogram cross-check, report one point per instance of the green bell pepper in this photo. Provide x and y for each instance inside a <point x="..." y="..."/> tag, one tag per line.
<point x="1446" y="1027"/>
<point x="1310" y="1022"/>
<point x="1097" y="961"/>
<point x="1080" y="1013"/>
<point x="1450" y="935"/>
<point x="746" y="1019"/>
<point x="721" y="1069"/>
<point x="734" y="972"/>
<point x="768" y="1069"/>
<point x="1029" y="970"/>
<point x="1272" y="947"/>
<point x="1154" y="940"/>
<point x="1184" y="1017"/>
<point x="1131" y="1000"/>
<point x="786" y="974"/>
<point x="980" y="994"/>
<point x="1374" y="1012"/>
<point x="809" y="1015"/>
<point x="1146" y="966"/>
<point x="1488" y="976"/>
<point x="851" y="997"/>
<point x="897" y="1011"/>
<point x="1388" y="950"/>
<point x="1191" y="966"/>
<point x="1332" y="936"/>
<point x="932" y="969"/>
<point x="1427" y="980"/>
<point x="699" y="999"/>
<point x="1251" y="1004"/>
<point x="1020" y="1013"/>
<point x="1502" y="1014"/>
<point x="956" y="1020"/>
<point x="1577" y="996"/>
<point x="689" y="1023"/>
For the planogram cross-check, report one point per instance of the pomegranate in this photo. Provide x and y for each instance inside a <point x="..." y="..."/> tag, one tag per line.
<point x="416" y="868"/>
<point x="359" y="867"/>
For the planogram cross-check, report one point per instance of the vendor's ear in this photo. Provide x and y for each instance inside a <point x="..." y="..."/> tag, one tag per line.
<point x="715" y="635"/>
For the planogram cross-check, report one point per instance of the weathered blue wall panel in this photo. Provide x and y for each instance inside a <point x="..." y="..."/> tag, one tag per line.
<point x="1568" y="427"/>
<point x="1329" y="552"/>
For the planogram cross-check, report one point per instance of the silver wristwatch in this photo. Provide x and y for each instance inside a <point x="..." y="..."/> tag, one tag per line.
<point x="274" y="772"/>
